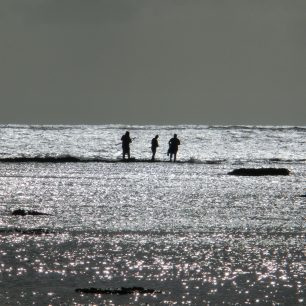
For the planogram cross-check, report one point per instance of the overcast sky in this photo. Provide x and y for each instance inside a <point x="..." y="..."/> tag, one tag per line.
<point x="153" y="62"/>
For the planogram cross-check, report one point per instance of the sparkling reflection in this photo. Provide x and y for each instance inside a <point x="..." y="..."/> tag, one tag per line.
<point x="188" y="230"/>
<point x="200" y="273"/>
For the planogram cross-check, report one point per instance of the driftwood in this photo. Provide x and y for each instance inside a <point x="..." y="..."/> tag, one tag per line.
<point x="260" y="171"/>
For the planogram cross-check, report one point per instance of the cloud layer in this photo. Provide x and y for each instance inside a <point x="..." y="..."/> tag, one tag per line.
<point x="166" y="62"/>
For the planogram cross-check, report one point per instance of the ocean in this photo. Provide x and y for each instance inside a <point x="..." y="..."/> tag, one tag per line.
<point x="188" y="230"/>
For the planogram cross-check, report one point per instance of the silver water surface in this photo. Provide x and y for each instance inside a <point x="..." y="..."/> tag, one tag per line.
<point x="190" y="230"/>
<point x="198" y="143"/>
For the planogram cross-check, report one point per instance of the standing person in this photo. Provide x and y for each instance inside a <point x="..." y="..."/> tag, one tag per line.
<point x="126" y="140"/>
<point x="154" y="145"/>
<point x="173" y="146"/>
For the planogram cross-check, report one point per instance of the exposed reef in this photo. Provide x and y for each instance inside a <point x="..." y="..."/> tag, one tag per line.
<point x="118" y="291"/>
<point x="259" y="171"/>
<point x="22" y="212"/>
<point x="26" y="231"/>
<point x="73" y="159"/>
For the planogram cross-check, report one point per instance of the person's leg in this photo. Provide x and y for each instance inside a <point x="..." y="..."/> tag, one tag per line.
<point x="126" y="152"/>
<point x="153" y="153"/>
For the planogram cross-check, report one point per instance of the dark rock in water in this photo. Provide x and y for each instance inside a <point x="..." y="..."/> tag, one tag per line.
<point x="37" y="213"/>
<point x="19" y="212"/>
<point x="260" y="171"/>
<point x="119" y="291"/>
<point x="22" y="212"/>
<point x="303" y="196"/>
<point x="25" y="231"/>
<point x="40" y="159"/>
<point x="34" y="231"/>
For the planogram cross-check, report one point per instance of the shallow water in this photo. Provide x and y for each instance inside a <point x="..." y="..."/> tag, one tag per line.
<point x="189" y="230"/>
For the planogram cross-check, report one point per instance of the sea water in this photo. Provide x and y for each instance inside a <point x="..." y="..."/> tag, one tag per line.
<point x="186" y="229"/>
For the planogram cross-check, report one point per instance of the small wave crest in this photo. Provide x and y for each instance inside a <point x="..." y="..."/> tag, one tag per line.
<point x="274" y="160"/>
<point x="193" y="160"/>
<point x="285" y="161"/>
<point x="258" y="127"/>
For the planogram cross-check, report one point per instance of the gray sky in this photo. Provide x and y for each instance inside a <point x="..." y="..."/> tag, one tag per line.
<point x="146" y="62"/>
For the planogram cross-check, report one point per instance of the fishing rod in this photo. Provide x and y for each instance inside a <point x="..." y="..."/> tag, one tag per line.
<point x="119" y="143"/>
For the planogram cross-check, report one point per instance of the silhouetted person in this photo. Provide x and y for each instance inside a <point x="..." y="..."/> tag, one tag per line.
<point x="126" y="140"/>
<point x="173" y="146"/>
<point x="154" y="145"/>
